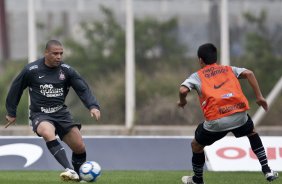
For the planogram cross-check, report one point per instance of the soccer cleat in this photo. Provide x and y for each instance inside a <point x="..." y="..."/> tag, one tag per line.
<point x="188" y="180"/>
<point x="69" y="175"/>
<point x="272" y="175"/>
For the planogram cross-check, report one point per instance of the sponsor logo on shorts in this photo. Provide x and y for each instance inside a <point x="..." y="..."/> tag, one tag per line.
<point x="51" y="109"/>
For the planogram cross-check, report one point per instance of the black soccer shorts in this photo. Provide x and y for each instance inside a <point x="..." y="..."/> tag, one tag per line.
<point x="62" y="121"/>
<point x="205" y="137"/>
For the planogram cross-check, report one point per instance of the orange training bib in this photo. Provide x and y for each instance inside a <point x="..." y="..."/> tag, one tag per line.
<point x="221" y="92"/>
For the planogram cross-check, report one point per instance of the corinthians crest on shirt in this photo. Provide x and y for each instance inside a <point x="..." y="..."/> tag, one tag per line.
<point x="62" y="75"/>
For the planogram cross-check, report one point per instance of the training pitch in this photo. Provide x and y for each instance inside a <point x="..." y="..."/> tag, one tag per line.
<point x="135" y="177"/>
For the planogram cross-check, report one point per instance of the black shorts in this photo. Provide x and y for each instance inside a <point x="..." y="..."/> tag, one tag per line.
<point x="62" y="121"/>
<point x="205" y="137"/>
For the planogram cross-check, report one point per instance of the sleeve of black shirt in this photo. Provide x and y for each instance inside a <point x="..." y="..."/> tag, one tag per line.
<point x="15" y="93"/>
<point x="83" y="91"/>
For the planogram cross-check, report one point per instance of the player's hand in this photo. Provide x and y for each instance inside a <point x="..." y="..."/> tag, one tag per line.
<point x="10" y="120"/>
<point x="96" y="113"/>
<point x="262" y="102"/>
<point x="182" y="103"/>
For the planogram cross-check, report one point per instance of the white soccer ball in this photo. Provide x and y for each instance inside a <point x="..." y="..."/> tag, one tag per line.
<point x="89" y="171"/>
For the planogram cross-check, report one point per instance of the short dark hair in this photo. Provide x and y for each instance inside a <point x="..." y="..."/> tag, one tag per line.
<point x="208" y="53"/>
<point x="51" y="43"/>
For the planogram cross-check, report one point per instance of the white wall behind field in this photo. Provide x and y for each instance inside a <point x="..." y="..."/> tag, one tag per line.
<point x="195" y="18"/>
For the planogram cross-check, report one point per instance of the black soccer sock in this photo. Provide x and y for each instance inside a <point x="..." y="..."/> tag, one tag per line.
<point x="78" y="160"/>
<point x="259" y="150"/>
<point x="59" y="153"/>
<point x="198" y="161"/>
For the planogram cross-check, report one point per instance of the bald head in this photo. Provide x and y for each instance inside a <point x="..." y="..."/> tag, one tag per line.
<point x="51" y="43"/>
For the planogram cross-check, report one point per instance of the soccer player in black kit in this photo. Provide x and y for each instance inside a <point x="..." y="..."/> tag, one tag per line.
<point x="48" y="80"/>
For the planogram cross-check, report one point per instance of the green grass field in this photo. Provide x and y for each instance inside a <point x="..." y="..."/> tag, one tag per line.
<point x="135" y="177"/>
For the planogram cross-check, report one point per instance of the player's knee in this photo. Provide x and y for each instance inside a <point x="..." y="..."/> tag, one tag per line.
<point x="46" y="130"/>
<point x="252" y="133"/>
<point x="79" y="148"/>
<point x="47" y="135"/>
<point x="196" y="147"/>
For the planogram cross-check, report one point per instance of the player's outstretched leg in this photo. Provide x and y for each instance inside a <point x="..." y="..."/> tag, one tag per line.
<point x="69" y="175"/>
<point x="258" y="149"/>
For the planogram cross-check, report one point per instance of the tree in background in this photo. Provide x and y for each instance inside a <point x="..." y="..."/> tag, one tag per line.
<point x="102" y="47"/>
<point x="263" y="53"/>
<point x="264" y="56"/>
<point x="157" y="41"/>
<point x="100" y="56"/>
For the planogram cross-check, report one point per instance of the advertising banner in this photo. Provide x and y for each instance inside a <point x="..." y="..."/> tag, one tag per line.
<point x="235" y="154"/>
<point x="112" y="153"/>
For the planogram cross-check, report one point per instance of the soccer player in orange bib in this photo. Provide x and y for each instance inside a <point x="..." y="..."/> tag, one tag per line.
<point x="224" y="107"/>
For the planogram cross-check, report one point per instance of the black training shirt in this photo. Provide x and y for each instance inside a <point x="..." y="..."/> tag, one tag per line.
<point x="48" y="88"/>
